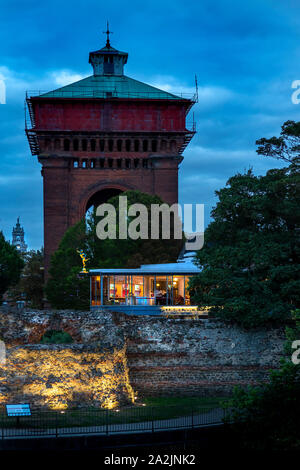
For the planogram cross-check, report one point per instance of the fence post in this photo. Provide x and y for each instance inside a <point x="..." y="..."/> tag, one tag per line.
<point x="56" y="419"/>
<point x="106" y="419"/>
<point x="152" y="419"/>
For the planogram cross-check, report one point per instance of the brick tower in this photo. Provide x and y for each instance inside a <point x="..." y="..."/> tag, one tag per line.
<point x="102" y="135"/>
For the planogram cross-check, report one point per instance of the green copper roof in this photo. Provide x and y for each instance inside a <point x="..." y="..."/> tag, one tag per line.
<point x="107" y="86"/>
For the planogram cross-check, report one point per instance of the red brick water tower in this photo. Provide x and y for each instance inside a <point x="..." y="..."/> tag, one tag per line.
<point x="102" y="135"/>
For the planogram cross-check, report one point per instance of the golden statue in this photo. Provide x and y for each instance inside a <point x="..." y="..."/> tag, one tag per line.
<point x="84" y="260"/>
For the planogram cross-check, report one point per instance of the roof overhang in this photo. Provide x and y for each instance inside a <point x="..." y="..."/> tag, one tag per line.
<point x="160" y="269"/>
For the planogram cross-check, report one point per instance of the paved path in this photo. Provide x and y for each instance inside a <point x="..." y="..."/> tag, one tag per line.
<point x="209" y="418"/>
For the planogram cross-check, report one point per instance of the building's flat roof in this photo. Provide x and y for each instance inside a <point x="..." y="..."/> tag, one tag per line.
<point x="167" y="268"/>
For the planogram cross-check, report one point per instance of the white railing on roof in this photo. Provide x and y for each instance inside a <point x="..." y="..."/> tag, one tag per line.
<point x="82" y="92"/>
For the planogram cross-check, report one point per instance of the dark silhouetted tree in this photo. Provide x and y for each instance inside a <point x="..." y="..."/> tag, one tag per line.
<point x="11" y="264"/>
<point x="251" y="255"/>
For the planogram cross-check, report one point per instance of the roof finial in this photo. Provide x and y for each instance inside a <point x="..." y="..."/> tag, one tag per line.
<point x="107" y="32"/>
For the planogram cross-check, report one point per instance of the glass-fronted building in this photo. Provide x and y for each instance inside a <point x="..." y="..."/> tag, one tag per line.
<point x="142" y="290"/>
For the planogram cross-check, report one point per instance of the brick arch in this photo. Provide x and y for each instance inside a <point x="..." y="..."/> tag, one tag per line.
<point x="98" y="188"/>
<point x="38" y="331"/>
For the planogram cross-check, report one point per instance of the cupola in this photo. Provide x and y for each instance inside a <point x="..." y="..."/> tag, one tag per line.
<point x="108" y="60"/>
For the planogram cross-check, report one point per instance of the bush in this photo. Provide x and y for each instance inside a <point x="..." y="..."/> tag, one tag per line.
<point x="268" y="417"/>
<point x="56" y="337"/>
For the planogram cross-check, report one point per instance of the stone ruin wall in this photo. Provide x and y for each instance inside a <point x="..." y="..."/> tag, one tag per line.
<point x="198" y="357"/>
<point x="92" y="371"/>
<point x="115" y="357"/>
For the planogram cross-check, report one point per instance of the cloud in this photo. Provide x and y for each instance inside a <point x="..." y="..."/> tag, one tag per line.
<point x="17" y="84"/>
<point x="205" y="170"/>
<point x="208" y="96"/>
<point x="65" y="77"/>
<point x="245" y="54"/>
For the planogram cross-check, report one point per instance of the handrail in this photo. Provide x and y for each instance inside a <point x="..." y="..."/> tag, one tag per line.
<point x="82" y="92"/>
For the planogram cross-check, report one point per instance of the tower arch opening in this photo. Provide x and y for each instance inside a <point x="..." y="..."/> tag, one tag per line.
<point x="100" y="197"/>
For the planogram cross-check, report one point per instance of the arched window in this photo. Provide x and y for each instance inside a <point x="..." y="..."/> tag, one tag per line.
<point x="84" y="145"/>
<point x="136" y="145"/>
<point x="110" y="163"/>
<point x="136" y="162"/>
<point x="119" y="145"/>
<point x="102" y="162"/>
<point x="75" y="163"/>
<point x="145" y="145"/>
<point x="173" y="145"/>
<point x="47" y="144"/>
<point x="66" y="145"/>
<point x="108" y="64"/>
<point x="57" y="144"/>
<point x="75" y="145"/>
<point x="119" y="163"/>
<point x="128" y="163"/>
<point x="84" y="163"/>
<point x="154" y="146"/>
<point x="102" y="145"/>
<point x="93" y="145"/>
<point x="93" y="163"/>
<point x="128" y="145"/>
<point x="110" y="145"/>
<point x="163" y="145"/>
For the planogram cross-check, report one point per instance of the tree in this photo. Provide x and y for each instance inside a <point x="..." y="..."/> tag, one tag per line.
<point x="56" y="337"/>
<point x="31" y="284"/>
<point x="251" y="257"/>
<point x="32" y="278"/>
<point x="286" y="147"/>
<point x="11" y="264"/>
<point x="67" y="289"/>
<point x="267" y="417"/>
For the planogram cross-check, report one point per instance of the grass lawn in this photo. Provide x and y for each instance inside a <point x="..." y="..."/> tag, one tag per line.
<point x="147" y="410"/>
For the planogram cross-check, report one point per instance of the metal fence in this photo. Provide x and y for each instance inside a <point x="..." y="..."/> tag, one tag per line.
<point x="106" y="422"/>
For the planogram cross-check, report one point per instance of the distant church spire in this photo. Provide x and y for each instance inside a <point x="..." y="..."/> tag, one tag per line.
<point x="18" y="237"/>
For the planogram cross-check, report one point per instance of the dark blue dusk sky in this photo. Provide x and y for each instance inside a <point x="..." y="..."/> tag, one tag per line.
<point x="246" y="54"/>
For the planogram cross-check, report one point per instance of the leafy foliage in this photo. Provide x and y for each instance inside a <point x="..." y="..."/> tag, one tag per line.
<point x="251" y="255"/>
<point x="267" y="417"/>
<point x="67" y="289"/>
<point x="11" y="264"/>
<point x="31" y="284"/>
<point x="32" y="280"/>
<point x="56" y="337"/>
<point x="286" y="147"/>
